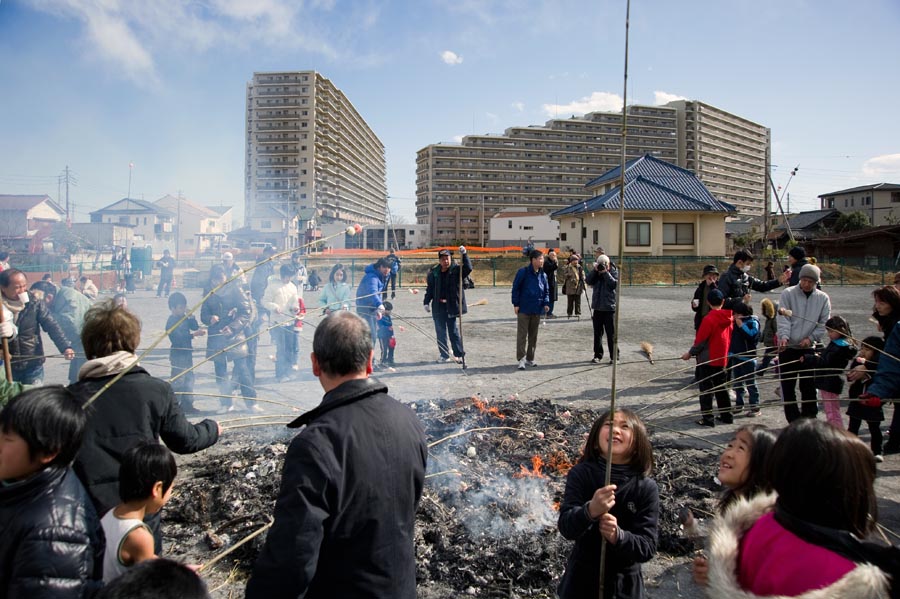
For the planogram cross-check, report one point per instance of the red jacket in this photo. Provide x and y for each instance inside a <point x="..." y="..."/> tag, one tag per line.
<point x="713" y="338"/>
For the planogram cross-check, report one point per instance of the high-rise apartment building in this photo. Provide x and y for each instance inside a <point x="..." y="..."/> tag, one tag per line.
<point x="545" y="168"/>
<point x="310" y="156"/>
<point x="730" y="154"/>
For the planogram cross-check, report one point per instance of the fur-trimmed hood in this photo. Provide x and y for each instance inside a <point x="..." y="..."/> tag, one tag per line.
<point x="864" y="582"/>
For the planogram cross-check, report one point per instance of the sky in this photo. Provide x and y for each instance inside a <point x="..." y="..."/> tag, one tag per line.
<point x="97" y="85"/>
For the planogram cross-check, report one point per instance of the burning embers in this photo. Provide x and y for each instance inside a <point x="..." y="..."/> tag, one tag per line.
<point x="536" y="465"/>
<point x="489" y="411"/>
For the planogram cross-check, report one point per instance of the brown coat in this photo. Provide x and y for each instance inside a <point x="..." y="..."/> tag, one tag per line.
<point x="573" y="279"/>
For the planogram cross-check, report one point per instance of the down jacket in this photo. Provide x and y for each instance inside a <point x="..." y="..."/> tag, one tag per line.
<point x="713" y="339"/>
<point x="726" y="556"/>
<point x="137" y="408"/>
<point x="52" y="543"/>
<point x="27" y="346"/>
<point x="603" y="297"/>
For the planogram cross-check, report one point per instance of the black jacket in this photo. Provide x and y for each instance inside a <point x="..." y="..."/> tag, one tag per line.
<point x="829" y="365"/>
<point x="433" y="291"/>
<point x="345" y="515"/>
<point x="702" y="308"/>
<point x="637" y="514"/>
<point x="735" y="284"/>
<point x="27" y="349"/>
<point x="603" y="297"/>
<point x="52" y="543"/>
<point x="137" y="408"/>
<point x="235" y="311"/>
<point x="260" y="280"/>
<point x="550" y="268"/>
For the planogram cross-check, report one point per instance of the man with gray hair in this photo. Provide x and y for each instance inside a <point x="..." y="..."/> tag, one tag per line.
<point x="803" y="311"/>
<point x="345" y="516"/>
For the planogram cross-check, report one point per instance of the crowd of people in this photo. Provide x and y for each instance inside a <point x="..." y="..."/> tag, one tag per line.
<point x="84" y="475"/>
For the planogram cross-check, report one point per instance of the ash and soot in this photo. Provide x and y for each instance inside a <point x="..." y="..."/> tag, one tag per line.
<point x="486" y="525"/>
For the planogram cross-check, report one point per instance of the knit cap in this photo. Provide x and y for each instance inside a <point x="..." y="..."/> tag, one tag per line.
<point x="811" y="271"/>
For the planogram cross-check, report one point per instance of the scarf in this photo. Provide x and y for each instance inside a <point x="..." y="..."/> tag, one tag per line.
<point x="107" y="365"/>
<point x="15" y="306"/>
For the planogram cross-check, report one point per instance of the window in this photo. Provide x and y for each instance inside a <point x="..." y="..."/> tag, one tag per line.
<point x="895" y="197"/>
<point x="528" y="228"/>
<point x="584" y="232"/>
<point x="562" y="236"/>
<point x="596" y="237"/>
<point x="266" y="224"/>
<point x="572" y="225"/>
<point x="145" y="220"/>
<point x="509" y="224"/>
<point x="829" y="203"/>
<point x="678" y="234"/>
<point x="637" y="234"/>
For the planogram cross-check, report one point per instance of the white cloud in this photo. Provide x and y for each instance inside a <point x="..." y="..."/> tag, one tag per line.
<point x="596" y="102"/>
<point x="887" y="164"/>
<point x="451" y="58"/>
<point x="660" y="98"/>
<point x="458" y="138"/>
<point x="520" y="106"/>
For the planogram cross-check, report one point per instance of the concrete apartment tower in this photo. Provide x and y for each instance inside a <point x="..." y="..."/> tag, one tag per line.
<point x="312" y="162"/>
<point x="459" y="187"/>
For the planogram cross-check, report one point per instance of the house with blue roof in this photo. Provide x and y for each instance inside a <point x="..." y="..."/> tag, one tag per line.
<point x="668" y="212"/>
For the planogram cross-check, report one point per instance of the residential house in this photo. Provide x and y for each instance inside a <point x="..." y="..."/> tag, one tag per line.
<point x="26" y="220"/>
<point x="196" y="226"/>
<point x="880" y="202"/>
<point x="513" y="227"/>
<point x="153" y="224"/>
<point x="668" y="212"/>
<point x="804" y="226"/>
<point x="104" y="235"/>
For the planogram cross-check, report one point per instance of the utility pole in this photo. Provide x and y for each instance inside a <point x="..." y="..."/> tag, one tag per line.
<point x="178" y="228"/>
<point x="68" y="213"/>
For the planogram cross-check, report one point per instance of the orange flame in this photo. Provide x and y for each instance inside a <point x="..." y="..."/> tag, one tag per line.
<point x="559" y="462"/>
<point x="536" y="465"/>
<point x="555" y="505"/>
<point x="482" y="407"/>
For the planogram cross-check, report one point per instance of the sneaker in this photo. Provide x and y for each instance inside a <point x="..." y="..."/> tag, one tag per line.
<point x="256" y="409"/>
<point x="595" y="361"/>
<point x="232" y="408"/>
<point x="738" y="408"/>
<point x="530" y="363"/>
<point x="706" y="422"/>
<point x="725" y="418"/>
<point x="446" y="360"/>
<point x="753" y="412"/>
<point x="879" y="458"/>
<point x="521" y="365"/>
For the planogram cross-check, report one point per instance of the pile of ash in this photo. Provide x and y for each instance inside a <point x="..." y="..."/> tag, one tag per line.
<point x="486" y="525"/>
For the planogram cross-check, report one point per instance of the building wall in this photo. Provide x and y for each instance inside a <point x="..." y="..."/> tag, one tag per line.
<point x="603" y="230"/>
<point x="103" y="234"/>
<point x="728" y="153"/>
<point x="193" y="219"/>
<point x="520" y="228"/>
<point x="308" y="147"/>
<point x="534" y="169"/>
<point x="882" y="206"/>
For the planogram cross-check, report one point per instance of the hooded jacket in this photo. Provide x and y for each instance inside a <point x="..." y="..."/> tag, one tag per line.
<point x="788" y="559"/>
<point x="368" y="294"/>
<point x="52" y="543"/>
<point x="744" y="339"/>
<point x="713" y="338"/>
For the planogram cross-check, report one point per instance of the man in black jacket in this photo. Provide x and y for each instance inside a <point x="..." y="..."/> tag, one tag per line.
<point x="735" y="284"/>
<point x="30" y="316"/>
<point x="345" y="515"/>
<point x="442" y="299"/>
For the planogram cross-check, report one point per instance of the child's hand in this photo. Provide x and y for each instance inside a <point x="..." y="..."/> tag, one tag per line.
<point x="701" y="570"/>
<point x="213" y="319"/>
<point x="603" y="500"/>
<point x="686" y="356"/>
<point x="609" y="528"/>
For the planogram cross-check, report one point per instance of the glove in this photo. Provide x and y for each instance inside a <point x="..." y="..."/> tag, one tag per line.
<point x="428" y="308"/>
<point x="462" y="249"/>
<point x="870" y="400"/>
<point x="393" y="294"/>
<point x="7" y="329"/>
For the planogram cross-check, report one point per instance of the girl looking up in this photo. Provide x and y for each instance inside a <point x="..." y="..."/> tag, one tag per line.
<point x="742" y="471"/>
<point x="625" y="513"/>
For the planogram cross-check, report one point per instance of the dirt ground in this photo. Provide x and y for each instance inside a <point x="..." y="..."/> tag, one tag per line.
<point x="563" y="381"/>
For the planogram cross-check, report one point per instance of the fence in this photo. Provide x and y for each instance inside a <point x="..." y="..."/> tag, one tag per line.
<point x="488" y="272"/>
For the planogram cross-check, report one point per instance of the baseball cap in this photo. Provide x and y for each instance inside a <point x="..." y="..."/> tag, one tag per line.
<point x="444" y="253"/>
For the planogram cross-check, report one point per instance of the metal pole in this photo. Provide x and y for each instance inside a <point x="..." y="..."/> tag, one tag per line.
<point x="615" y="356"/>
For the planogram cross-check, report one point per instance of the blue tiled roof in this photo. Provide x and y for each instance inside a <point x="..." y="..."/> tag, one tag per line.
<point x="651" y="185"/>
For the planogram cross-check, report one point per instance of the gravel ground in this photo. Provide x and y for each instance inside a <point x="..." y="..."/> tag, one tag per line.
<point x="662" y="391"/>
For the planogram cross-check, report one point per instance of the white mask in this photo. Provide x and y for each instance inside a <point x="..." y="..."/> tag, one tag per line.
<point x="23" y="297"/>
<point x="745" y="268"/>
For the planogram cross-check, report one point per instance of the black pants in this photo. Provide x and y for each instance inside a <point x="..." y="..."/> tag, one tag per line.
<point x="793" y="372"/>
<point x="573" y="303"/>
<point x="604" y="321"/>
<point x="165" y="283"/>
<point x="874" y="432"/>
<point x="712" y="383"/>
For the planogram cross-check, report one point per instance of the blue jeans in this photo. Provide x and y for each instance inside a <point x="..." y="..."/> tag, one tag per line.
<point x="368" y="315"/>
<point x="285" y="342"/>
<point x="444" y="325"/>
<point x="30" y="375"/>
<point x="743" y="377"/>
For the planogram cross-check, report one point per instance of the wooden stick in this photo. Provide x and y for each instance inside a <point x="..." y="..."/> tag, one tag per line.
<point x="252" y="535"/>
<point x="483" y="428"/>
<point x="6" y="357"/>
<point x="267" y="423"/>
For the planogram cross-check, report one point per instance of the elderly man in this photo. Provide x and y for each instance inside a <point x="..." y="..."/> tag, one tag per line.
<point x="801" y="324"/>
<point x="68" y="308"/>
<point x="29" y="316"/>
<point x="442" y="299"/>
<point x="345" y="516"/>
<point x="530" y="300"/>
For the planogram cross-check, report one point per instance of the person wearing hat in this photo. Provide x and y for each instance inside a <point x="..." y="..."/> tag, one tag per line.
<point x="442" y="299"/>
<point x="232" y="269"/>
<point x="711" y="344"/>
<point x="801" y="324"/>
<point x="166" y="266"/>
<point x="797" y="260"/>
<point x="394" y="259"/>
<point x="699" y="304"/>
<point x="573" y="285"/>
<point x="340" y="535"/>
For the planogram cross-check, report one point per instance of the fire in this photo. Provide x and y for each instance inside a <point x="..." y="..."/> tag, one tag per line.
<point x="482" y="407"/>
<point x="536" y="465"/>
<point x="556" y="505"/>
<point x="559" y="462"/>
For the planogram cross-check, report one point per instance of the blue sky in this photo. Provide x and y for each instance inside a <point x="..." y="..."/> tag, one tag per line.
<point x="96" y="84"/>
